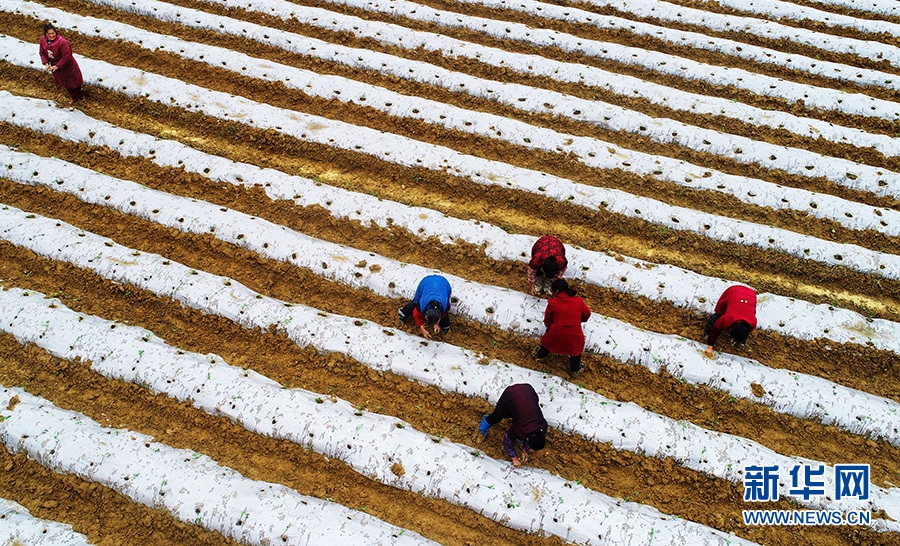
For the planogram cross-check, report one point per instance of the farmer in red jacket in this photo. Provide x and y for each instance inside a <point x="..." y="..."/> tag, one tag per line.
<point x="736" y="313"/>
<point x="56" y="56"/>
<point x="563" y="317"/>
<point x="529" y="428"/>
<point x="548" y="263"/>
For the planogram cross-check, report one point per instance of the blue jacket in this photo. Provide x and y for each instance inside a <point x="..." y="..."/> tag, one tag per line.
<point x="433" y="288"/>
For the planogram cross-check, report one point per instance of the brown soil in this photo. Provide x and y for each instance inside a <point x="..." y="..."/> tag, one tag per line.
<point x="108" y="518"/>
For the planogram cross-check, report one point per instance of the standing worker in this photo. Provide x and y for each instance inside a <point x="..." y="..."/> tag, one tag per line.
<point x="529" y="428"/>
<point x="563" y="317"/>
<point x="548" y="263"/>
<point x="735" y="312"/>
<point x="430" y="305"/>
<point x="56" y="56"/>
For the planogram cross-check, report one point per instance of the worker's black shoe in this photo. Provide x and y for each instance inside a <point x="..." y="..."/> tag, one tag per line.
<point x="402" y="315"/>
<point x="575" y="370"/>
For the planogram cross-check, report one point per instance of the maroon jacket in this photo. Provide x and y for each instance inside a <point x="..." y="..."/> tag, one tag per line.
<point x="520" y="403"/>
<point x="548" y="246"/>
<point x="59" y="54"/>
<point x="563" y="318"/>
<point x="736" y="303"/>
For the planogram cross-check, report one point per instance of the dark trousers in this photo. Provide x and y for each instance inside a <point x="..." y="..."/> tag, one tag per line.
<point x="709" y="324"/>
<point x="574" y="361"/>
<point x="75" y="94"/>
<point x="445" y="318"/>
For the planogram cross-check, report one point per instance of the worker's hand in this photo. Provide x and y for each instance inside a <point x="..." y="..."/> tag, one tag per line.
<point x="534" y="291"/>
<point x="52" y="69"/>
<point x="515" y="461"/>
<point x="524" y="456"/>
<point x="709" y="351"/>
<point x="437" y="328"/>
<point x="484" y="426"/>
<point x="425" y="332"/>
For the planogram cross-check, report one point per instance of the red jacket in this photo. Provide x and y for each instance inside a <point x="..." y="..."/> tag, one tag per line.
<point x="59" y="54"/>
<point x="563" y="318"/>
<point x="736" y="303"/>
<point x="548" y="246"/>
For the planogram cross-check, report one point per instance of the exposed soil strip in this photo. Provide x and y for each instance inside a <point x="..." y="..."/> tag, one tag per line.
<point x="458" y="428"/>
<point x="621" y="474"/>
<point x="518" y="199"/>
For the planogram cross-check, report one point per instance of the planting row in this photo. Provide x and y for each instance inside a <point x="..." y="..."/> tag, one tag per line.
<point x="19" y="527"/>
<point x="820" y="98"/>
<point x="658" y="282"/>
<point x="715" y="22"/>
<point x="189" y="485"/>
<point x="529" y="65"/>
<point x="449" y="367"/>
<point x="590" y="151"/>
<point x="790" y="392"/>
<point x="788" y="11"/>
<point x="883" y="7"/>
<point x="378" y="446"/>
<point x="408" y="152"/>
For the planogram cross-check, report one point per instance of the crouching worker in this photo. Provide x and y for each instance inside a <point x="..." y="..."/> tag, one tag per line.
<point x="430" y="305"/>
<point x="548" y="263"/>
<point x="528" y="428"/>
<point x="563" y="317"/>
<point x="736" y="313"/>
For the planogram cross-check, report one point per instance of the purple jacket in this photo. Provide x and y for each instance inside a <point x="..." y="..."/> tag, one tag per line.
<point x="520" y="403"/>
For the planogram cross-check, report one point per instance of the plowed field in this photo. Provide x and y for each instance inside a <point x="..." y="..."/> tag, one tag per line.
<point x="106" y="517"/>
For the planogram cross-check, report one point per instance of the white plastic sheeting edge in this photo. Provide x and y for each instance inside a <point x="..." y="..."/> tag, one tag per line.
<point x="409" y="152"/>
<point x="589" y="151"/>
<point x="522" y="498"/>
<point x="19" y="528"/>
<point x="718" y="22"/>
<point x="883" y="7"/>
<point x="684" y="288"/>
<point x="136" y="355"/>
<point x="788" y="392"/>
<point x="506" y="309"/>
<point x="532" y="65"/>
<point x="777" y="9"/>
<point x="190" y="486"/>
<point x="818" y="97"/>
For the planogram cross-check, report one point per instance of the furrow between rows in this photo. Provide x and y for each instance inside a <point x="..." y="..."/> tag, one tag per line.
<point x="20" y="527"/>
<point x="852" y="49"/>
<point x="592" y="152"/>
<point x="826" y="99"/>
<point x="374" y="445"/>
<point x="450" y="370"/>
<point x="650" y="280"/>
<point x="193" y="487"/>
<point x="407" y="152"/>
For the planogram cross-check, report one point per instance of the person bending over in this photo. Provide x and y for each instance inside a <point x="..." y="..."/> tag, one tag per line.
<point x="430" y="305"/>
<point x="548" y="263"/>
<point x="528" y="428"/>
<point x="735" y="313"/>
